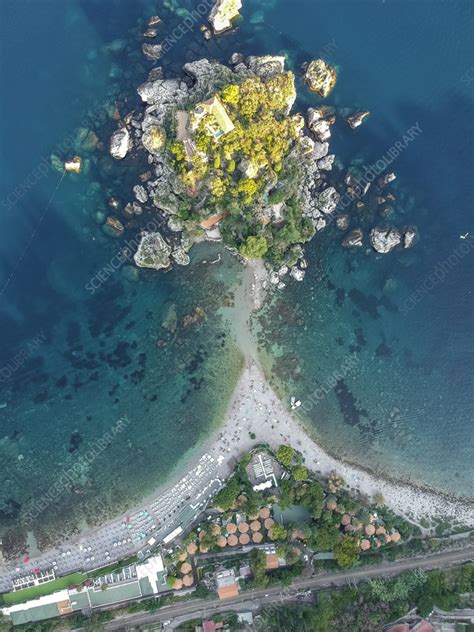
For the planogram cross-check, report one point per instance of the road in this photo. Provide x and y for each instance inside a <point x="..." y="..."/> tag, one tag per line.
<point x="257" y="598"/>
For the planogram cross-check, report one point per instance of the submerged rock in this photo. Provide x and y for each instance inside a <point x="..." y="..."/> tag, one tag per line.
<point x="409" y="237"/>
<point x="153" y="252"/>
<point x="297" y="274"/>
<point x="356" y="119"/>
<point x="386" y="179"/>
<point x="385" y="239"/>
<point x="152" y="51"/>
<point x="326" y="163"/>
<point x="355" y="239"/>
<point x="120" y="143"/>
<point x="222" y="14"/>
<point x="113" y="227"/>
<point x="320" y="77"/>
<point x="342" y="222"/>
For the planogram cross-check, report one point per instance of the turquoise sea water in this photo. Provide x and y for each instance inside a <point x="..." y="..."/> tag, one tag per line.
<point x="74" y="362"/>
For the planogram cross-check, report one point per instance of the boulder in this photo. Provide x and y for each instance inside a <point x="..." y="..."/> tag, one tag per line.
<point x="320" y="77"/>
<point x="236" y="58"/>
<point x="384" y="239"/>
<point x="320" y="150"/>
<point x="154" y="139"/>
<point x="181" y="257"/>
<point x="409" y="237"/>
<point x="140" y="193"/>
<point x="321" y="130"/>
<point x="152" y="51"/>
<point x="326" y="163"/>
<point x="328" y="200"/>
<point x="266" y="66"/>
<point x="297" y="274"/>
<point x="120" y="143"/>
<point x="356" y="119"/>
<point x="386" y="179"/>
<point x="355" y="239"/>
<point x="153" y="252"/>
<point x="222" y="14"/>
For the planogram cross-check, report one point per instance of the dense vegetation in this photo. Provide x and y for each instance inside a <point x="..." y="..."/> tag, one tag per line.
<point x="370" y="606"/>
<point x="247" y="170"/>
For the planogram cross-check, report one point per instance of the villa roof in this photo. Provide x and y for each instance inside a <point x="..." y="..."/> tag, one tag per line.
<point x="215" y="107"/>
<point x="271" y="561"/>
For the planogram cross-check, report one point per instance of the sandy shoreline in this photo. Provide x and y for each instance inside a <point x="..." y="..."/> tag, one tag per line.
<point x="254" y="408"/>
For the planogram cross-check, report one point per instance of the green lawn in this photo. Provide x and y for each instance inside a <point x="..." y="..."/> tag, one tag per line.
<point x="44" y="589"/>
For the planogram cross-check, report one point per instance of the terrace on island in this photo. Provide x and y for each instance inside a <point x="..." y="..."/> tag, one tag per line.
<point x="215" y="115"/>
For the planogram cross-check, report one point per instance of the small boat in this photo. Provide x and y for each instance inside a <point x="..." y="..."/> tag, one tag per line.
<point x="465" y="236"/>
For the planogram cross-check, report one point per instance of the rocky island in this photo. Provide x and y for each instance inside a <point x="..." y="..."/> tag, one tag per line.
<point x="232" y="162"/>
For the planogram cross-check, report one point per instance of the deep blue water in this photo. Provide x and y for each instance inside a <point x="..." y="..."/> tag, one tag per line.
<point x="103" y="354"/>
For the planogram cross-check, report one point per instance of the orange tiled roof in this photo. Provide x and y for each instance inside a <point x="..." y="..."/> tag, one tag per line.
<point x="271" y="561"/>
<point x="213" y="220"/>
<point x="228" y="591"/>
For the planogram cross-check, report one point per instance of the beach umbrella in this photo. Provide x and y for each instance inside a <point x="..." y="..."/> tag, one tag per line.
<point x="215" y="529"/>
<point x="222" y="541"/>
<point x="186" y="568"/>
<point x="396" y="537"/>
<point x="191" y="548"/>
<point x="232" y="540"/>
<point x="268" y="523"/>
<point x="257" y="537"/>
<point x="183" y="556"/>
<point x="381" y="530"/>
<point x="202" y="535"/>
<point x="243" y="527"/>
<point x="203" y="548"/>
<point x="177" y="584"/>
<point x="370" y="529"/>
<point x="364" y="545"/>
<point x="188" y="580"/>
<point x="255" y="525"/>
<point x="231" y="527"/>
<point x="264" y="512"/>
<point x="244" y="538"/>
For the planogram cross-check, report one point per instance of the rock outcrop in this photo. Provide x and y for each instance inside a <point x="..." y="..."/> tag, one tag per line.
<point x="409" y="237"/>
<point x="266" y="66"/>
<point x="153" y="252"/>
<point x="222" y="14"/>
<point x="385" y="239"/>
<point x="356" y="119"/>
<point x="152" y="51"/>
<point x="320" y="77"/>
<point x="328" y="200"/>
<point x="120" y="143"/>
